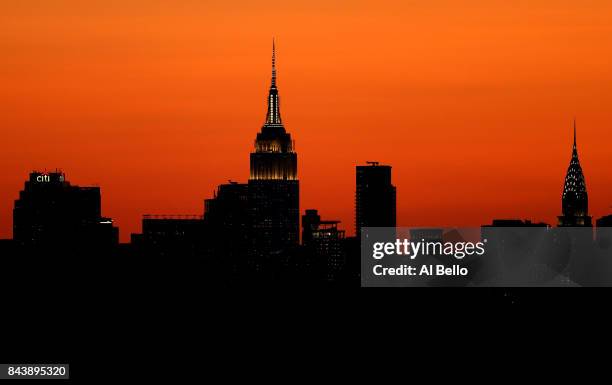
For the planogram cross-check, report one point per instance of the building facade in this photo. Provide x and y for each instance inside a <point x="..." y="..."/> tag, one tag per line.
<point x="52" y="213"/>
<point x="375" y="197"/>
<point x="228" y="224"/>
<point x="273" y="184"/>
<point x="324" y="243"/>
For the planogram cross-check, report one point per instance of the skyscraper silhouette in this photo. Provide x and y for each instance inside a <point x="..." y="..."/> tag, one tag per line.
<point x="273" y="183"/>
<point x="55" y="215"/>
<point x="374" y="197"/>
<point x="575" y="200"/>
<point x="323" y="241"/>
<point x="227" y="220"/>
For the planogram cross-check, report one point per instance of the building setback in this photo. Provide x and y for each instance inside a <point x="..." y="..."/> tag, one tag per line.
<point x="273" y="184"/>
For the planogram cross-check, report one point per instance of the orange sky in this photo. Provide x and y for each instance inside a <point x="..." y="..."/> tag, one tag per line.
<point x="158" y="102"/>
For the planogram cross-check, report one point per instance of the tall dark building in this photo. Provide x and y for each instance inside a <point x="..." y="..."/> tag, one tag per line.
<point x="575" y="201"/>
<point x="273" y="183"/>
<point x="52" y="213"/>
<point x="228" y="210"/>
<point x="323" y="241"/>
<point x="227" y="219"/>
<point x="374" y="197"/>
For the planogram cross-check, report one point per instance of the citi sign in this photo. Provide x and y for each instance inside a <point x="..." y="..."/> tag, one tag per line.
<point x="46" y="178"/>
<point x="43" y="178"/>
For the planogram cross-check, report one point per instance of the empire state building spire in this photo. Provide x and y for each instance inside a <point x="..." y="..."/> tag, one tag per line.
<point x="273" y="116"/>
<point x="274" y="157"/>
<point x="273" y="65"/>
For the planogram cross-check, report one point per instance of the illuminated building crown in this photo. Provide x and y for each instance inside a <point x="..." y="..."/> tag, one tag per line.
<point x="575" y="197"/>
<point x="274" y="157"/>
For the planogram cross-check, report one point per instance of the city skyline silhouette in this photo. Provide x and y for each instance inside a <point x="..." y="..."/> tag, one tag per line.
<point x="256" y="223"/>
<point x="159" y="125"/>
<point x="166" y="159"/>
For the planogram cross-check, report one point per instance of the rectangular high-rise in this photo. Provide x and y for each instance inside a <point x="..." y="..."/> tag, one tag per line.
<point x="227" y="220"/>
<point x="375" y="200"/>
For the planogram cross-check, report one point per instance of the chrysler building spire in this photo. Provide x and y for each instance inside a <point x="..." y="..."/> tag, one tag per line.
<point x="574" y="200"/>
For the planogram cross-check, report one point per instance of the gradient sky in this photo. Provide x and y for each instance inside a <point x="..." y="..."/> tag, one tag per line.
<point x="158" y="102"/>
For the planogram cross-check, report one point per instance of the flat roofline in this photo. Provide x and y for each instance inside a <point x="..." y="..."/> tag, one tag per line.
<point x="172" y="216"/>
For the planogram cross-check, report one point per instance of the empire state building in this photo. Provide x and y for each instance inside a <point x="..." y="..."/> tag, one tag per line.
<point x="273" y="183"/>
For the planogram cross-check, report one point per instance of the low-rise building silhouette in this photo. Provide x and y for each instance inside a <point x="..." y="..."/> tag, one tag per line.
<point x="604" y="230"/>
<point x="170" y="236"/>
<point x="605" y="221"/>
<point x="515" y="223"/>
<point x="427" y="235"/>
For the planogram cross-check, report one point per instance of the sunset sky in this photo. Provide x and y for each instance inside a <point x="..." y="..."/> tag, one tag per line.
<point x="158" y="102"/>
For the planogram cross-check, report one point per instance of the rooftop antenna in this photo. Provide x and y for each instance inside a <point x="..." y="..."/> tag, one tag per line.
<point x="574" y="132"/>
<point x="273" y="63"/>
